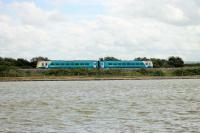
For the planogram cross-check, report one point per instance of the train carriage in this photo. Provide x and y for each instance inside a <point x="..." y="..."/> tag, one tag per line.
<point x="62" y="64"/>
<point x="126" y="64"/>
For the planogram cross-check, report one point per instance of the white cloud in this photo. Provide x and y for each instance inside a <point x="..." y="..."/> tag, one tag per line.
<point x="126" y="30"/>
<point x="29" y="13"/>
<point x="81" y="2"/>
<point x="171" y="11"/>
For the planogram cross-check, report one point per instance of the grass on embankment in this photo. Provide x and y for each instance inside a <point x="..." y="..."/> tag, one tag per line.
<point x="13" y="74"/>
<point x="78" y="78"/>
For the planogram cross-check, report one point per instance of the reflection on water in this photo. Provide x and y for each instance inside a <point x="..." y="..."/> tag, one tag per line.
<point x="101" y="106"/>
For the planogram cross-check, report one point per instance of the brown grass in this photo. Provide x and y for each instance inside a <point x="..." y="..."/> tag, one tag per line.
<point x="85" y="78"/>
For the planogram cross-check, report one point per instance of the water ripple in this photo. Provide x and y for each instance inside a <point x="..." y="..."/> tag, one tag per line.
<point x="161" y="106"/>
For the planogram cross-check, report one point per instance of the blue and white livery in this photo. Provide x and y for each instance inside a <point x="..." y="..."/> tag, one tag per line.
<point x="75" y="64"/>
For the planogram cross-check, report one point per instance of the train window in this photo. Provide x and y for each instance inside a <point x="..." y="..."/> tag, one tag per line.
<point x="109" y="63"/>
<point x="114" y="64"/>
<point x="123" y="63"/>
<point x="137" y="63"/>
<point x="119" y="64"/>
<point x="87" y="64"/>
<point x="81" y="64"/>
<point x="67" y="64"/>
<point x="52" y="64"/>
<point x="76" y="64"/>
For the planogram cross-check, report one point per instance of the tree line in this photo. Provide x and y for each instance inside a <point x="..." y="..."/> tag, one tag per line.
<point x="21" y="62"/>
<point x="26" y="64"/>
<point x="171" y="62"/>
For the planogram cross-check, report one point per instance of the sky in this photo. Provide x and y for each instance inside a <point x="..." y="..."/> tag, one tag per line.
<point x="89" y="29"/>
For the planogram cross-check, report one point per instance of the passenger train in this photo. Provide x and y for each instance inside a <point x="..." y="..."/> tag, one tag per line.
<point x="67" y="64"/>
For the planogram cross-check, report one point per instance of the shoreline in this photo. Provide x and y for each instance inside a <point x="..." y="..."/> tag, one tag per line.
<point x="60" y="78"/>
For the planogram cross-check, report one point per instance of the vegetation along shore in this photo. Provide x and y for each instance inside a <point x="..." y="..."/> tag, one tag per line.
<point x="24" y="70"/>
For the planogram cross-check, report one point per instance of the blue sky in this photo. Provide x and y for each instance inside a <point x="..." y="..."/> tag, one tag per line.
<point x="74" y="10"/>
<point x="89" y="29"/>
<point x="81" y="11"/>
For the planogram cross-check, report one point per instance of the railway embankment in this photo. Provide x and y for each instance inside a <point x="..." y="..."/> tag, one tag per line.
<point x="16" y="79"/>
<point x="99" y="74"/>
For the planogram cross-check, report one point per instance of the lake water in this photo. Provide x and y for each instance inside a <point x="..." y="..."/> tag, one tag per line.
<point x="146" y="106"/>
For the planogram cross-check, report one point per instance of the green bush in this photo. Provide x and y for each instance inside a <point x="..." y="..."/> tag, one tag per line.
<point x="156" y="73"/>
<point x="9" y="71"/>
<point x="187" y="72"/>
<point x="147" y="72"/>
<point x="143" y="72"/>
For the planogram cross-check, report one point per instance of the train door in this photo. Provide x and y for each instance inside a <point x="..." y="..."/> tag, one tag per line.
<point x="102" y="65"/>
<point x="94" y="64"/>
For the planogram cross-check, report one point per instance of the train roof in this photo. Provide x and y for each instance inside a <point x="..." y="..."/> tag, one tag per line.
<point x="93" y="61"/>
<point x="71" y="60"/>
<point x="124" y="61"/>
<point x="97" y="60"/>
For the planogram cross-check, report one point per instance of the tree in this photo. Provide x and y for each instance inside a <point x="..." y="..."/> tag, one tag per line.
<point x="175" y="61"/>
<point x="159" y="63"/>
<point x="23" y="63"/>
<point x="109" y="58"/>
<point x="11" y="62"/>
<point x="141" y="59"/>
<point x="8" y="61"/>
<point x="101" y="59"/>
